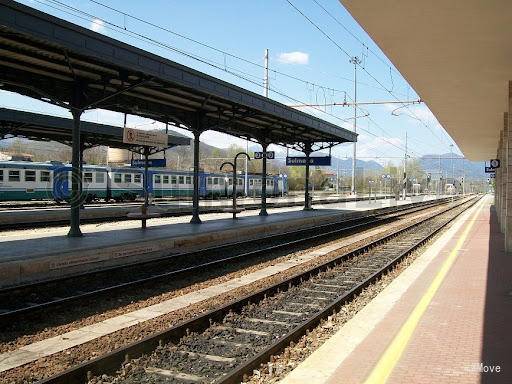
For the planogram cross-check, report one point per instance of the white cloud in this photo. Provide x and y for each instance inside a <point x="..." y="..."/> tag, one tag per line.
<point x="97" y="25"/>
<point x="295" y="57"/>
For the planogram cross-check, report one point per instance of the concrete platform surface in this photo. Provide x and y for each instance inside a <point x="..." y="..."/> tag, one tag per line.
<point x="445" y="319"/>
<point x="100" y="211"/>
<point x="35" y="254"/>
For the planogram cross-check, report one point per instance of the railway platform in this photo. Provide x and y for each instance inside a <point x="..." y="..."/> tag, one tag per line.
<point x="36" y="255"/>
<point x="24" y="215"/>
<point x="445" y="319"/>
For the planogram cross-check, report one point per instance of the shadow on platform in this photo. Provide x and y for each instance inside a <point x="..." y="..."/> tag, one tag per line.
<point x="497" y="343"/>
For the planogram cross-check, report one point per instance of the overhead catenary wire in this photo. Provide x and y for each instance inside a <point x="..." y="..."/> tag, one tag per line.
<point x="325" y="34"/>
<point x="242" y="75"/>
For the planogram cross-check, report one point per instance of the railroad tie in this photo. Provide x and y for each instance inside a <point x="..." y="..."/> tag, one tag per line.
<point x="174" y="374"/>
<point x="327" y="285"/>
<point x="298" y="314"/>
<point x="266" y="321"/>
<point x="306" y="305"/>
<point x="216" y="358"/>
<point x="319" y="291"/>
<point x="230" y="343"/>
<point x="242" y="330"/>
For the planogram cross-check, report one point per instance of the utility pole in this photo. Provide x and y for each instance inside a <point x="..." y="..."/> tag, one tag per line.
<point x="404" y="192"/>
<point x="453" y="169"/>
<point x="337" y="176"/>
<point x="265" y="93"/>
<point x="463" y="177"/>
<point x="439" y="184"/>
<point x="356" y="61"/>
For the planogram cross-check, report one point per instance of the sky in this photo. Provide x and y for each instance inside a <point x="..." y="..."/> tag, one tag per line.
<point x="306" y="67"/>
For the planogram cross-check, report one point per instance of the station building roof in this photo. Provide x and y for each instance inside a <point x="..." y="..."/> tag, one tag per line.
<point x="456" y="55"/>
<point x="36" y="126"/>
<point x="44" y="57"/>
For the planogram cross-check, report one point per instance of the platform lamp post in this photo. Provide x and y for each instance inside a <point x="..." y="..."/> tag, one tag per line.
<point x="233" y="166"/>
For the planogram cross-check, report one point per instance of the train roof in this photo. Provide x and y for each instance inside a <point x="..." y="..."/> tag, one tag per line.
<point x="27" y="164"/>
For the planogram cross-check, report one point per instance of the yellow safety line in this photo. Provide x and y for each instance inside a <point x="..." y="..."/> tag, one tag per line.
<point x="391" y="356"/>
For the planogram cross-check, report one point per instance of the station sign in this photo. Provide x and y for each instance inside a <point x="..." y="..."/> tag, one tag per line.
<point x="260" y="155"/>
<point x="494" y="163"/>
<point x="315" y="161"/>
<point x="152" y="163"/>
<point x="145" y="138"/>
<point x="490" y="170"/>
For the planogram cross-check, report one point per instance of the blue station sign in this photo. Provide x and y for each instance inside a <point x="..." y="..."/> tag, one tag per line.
<point x="315" y="161"/>
<point x="152" y="163"/>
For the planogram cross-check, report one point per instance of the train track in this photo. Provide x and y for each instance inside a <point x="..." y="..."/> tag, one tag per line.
<point x="26" y="299"/>
<point x="167" y="209"/>
<point x="225" y="344"/>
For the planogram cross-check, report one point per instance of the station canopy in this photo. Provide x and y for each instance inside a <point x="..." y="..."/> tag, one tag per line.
<point x="40" y="127"/>
<point x="46" y="57"/>
<point x="457" y="57"/>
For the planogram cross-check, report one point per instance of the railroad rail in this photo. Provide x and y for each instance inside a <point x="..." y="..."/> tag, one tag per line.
<point x="224" y="344"/>
<point x="29" y="298"/>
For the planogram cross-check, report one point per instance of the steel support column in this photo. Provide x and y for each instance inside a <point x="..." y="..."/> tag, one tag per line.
<point x="263" y="210"/>
<point x="197" y="130"/>
<point x="76" y="169"/>
<point x="307" y="202"/>
<point x="145" y="209"/>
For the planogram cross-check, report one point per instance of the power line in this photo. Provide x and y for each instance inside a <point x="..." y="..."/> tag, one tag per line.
<point x="325" y="34"/>
<point x="355" y="36"/>
<point x="123" y="30"/>
<point x="209" y="46"/>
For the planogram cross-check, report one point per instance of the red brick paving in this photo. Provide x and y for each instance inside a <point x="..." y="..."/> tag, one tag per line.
<point x="468" y="322"/>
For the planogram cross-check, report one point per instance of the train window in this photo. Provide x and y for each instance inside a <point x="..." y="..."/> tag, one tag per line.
<point x="166" y="179"/>
<point x="216" y="180"/>
<point x="14" y="175"/>
<point x="127" y="177"/>
<point x="118" y="178"/>
<point x="88" y="177"/>
<point x="173" y="179"/>
<point x="181" y="179"/>
<point x="158" y="179"/>
<point x="30" y="175"/>
<point x="251" y="182"/>
<point x="137" y="178"/>
<point x="188" y="180"/>
<point x="221" y="181"/>
<point x="1" y="175"/>
<point x="209" y="180"/>
<point x="100" y="177"/>
<point x="230" y="181"/>
<point x="240" y="181"/>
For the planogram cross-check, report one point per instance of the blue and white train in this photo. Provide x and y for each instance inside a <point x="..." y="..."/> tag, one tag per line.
<point x="24" y="180"/>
